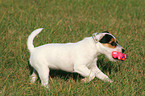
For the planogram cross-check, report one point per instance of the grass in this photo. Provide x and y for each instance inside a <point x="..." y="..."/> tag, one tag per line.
<point x="71" y="21"/>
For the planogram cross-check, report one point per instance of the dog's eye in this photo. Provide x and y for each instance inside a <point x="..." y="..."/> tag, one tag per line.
<point x="113" y="43"/>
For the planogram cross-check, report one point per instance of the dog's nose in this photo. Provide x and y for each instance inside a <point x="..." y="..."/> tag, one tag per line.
<point x="123" y="50"/>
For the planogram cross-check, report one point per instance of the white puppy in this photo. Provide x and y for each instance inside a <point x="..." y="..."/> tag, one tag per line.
<point x="77" y="57"/>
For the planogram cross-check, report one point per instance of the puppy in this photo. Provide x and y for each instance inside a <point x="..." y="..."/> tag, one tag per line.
<point x="79" y="57"/>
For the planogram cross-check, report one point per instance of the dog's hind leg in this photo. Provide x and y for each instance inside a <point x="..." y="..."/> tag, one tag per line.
<point x="43" y="72"/>
<point x="41" y="66"/>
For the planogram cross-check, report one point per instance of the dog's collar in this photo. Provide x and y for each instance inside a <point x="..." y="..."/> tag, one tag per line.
<point x="95" y="40"/>
<point x="94" y="36"/>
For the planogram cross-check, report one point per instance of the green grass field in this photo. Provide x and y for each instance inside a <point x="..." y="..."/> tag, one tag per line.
<point x="71" y="21"/>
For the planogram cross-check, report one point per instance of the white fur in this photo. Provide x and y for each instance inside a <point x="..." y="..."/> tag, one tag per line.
<point x="77" y="57"/>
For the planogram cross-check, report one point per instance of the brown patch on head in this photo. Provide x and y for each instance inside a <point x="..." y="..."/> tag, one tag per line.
<point x="108" y="45"/>
<point x="108" y="41"/>
<point x="112" y="39"/>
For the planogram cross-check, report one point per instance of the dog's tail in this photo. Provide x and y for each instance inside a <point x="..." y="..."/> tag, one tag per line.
<point x="31" y="37"/>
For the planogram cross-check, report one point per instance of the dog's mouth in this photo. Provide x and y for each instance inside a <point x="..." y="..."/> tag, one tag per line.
<point x="114" y="58"/>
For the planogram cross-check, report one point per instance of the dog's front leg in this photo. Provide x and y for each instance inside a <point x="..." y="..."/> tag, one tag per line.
<point x="85" y="72"/>
<point x="98" y="73"/>
<point x="102" y="76"/>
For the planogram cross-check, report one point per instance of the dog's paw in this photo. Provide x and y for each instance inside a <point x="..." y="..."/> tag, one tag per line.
<point x="33" y="79"/>
<point x="46" y="86"/>
<point x="111" y="81"/>
<point x="84" y="80"/>
<point x="88" y="79"/>
<point x="108" y="80"/>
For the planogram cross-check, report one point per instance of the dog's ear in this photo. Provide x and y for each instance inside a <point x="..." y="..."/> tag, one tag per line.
<point x="97" y="36"/>
<point x="106" y="38"/>
<point x="105" y="32"/>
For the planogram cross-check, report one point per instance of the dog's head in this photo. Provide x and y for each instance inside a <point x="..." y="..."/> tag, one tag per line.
<point x="107" y="43"/>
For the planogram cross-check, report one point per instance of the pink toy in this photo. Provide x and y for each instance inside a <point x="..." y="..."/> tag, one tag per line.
<point x="119" y="55"/>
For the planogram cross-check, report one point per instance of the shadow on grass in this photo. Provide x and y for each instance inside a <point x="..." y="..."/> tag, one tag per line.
<point x="107" y="66"/>
<point x="60" y="74"/>
<point x="65" y="75"/>
<point x="104" y="65"/>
